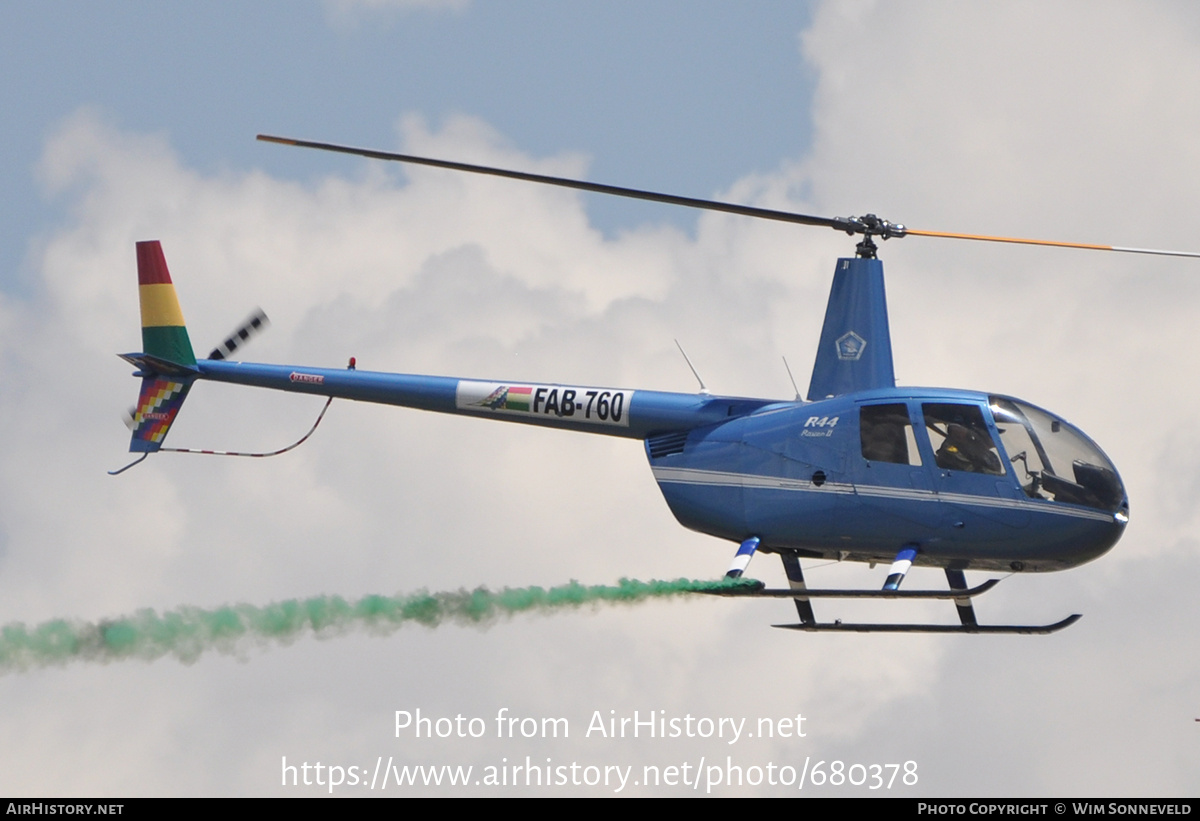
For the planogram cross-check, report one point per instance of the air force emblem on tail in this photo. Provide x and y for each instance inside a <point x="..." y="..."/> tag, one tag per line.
<point x="850" y="346"/>
<point x="599" y="406"/>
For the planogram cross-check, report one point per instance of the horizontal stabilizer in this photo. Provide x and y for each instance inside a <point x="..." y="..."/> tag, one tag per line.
<point x="147" y="364"/>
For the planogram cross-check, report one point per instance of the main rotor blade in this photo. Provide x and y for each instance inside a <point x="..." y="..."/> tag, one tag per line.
<point x="1053" y="243"/>
<point x="838" y="223"/>
<point x="868" y="224"/>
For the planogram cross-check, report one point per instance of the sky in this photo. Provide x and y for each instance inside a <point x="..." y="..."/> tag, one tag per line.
<point x="136" y="121"/>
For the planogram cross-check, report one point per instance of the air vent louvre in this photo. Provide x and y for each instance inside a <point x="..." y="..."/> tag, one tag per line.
<point x="666" y="444"/>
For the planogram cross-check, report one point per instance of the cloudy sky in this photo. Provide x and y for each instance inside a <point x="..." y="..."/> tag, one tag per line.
<point x="1074" y="121"/>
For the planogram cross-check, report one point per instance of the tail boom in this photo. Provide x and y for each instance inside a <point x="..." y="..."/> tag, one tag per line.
<point x="609" y="411"/>
<point x="168" y="367"/>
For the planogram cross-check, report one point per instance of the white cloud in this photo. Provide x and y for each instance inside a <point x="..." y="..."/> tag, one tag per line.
<point x="439" y="274"/>
<point x="948" y="116"/>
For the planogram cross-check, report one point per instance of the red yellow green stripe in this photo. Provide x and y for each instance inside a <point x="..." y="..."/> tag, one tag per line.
<point x="164" y="334"/>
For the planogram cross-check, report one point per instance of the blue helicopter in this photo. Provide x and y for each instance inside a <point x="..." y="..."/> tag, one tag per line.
<point x="861" y="471"/>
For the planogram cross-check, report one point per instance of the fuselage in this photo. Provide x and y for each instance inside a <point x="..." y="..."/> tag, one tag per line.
<point x="972" y="480"/>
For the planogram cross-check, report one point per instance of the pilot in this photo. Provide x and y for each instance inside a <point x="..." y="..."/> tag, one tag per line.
<point x="969" y="450"/>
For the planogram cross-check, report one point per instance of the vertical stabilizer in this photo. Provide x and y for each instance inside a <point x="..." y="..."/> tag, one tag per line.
<point x="163" y="333"/>
<point x="167" y="364"/>
<point x="158" y="402"/>
<point x="855" y="352"/>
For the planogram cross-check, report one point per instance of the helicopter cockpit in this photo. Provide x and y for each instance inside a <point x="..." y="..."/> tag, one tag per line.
<point x="1051" y="460"/>
<point x="1059" y="462"/>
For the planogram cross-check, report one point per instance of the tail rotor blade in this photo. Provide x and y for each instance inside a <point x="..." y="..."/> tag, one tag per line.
<point x="254" y="324"/>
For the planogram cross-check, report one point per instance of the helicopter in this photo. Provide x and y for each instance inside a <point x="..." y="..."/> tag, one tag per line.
<point x="859" y="470"/>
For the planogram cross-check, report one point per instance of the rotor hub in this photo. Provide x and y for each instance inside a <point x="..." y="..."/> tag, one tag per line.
<point x="869" y="225"/>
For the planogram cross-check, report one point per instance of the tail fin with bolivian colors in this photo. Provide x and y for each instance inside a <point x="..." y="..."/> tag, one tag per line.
<point x="167" y="363"/>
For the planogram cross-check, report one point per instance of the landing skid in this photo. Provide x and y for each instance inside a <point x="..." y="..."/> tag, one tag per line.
<point x="800" y="593"/>
<point x="1023" y="629"/>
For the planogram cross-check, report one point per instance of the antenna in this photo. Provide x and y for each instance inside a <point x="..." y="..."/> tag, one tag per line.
<point x="794" y="386"/>
<point x="703" y="388"/>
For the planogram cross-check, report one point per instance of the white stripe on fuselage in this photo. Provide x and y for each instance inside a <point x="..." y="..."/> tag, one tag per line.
<point x="721" y="478"/>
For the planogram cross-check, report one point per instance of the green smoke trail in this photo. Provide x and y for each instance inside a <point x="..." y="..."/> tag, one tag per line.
<point x="187" y="632"/>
